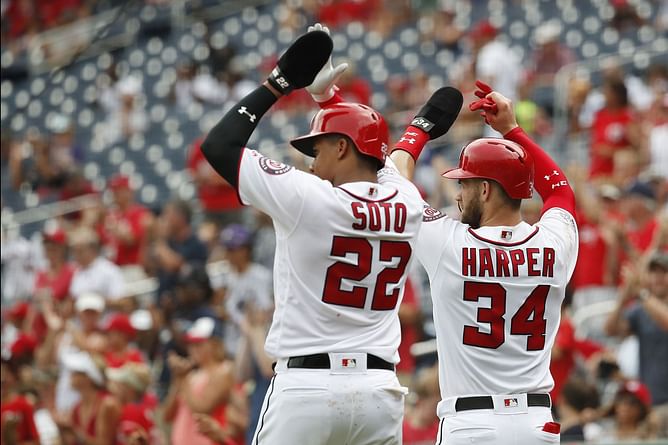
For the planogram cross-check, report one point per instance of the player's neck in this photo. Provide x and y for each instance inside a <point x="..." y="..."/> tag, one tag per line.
<point x="501" y="217"/>
<point x="354" y="175"/>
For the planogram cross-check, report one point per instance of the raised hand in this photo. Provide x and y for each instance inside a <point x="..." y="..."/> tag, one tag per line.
<point x="496" y="109"/>
<point x="324" y="85"/>
<point x="301" y="62"/>
<point x="432" y="121"/>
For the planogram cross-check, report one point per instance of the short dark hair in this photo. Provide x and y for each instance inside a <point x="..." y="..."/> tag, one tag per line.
<point x="369" y="162"/>
<point x="515" y="204"/>
<point x="580" y="394"/>
<point x="618" y="88"/>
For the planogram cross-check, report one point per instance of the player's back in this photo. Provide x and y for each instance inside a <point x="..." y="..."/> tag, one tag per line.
<point x="497" y="295"/>
<point x="339" y="274"/>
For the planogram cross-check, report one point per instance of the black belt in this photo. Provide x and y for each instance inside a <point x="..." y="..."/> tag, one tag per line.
<point x="321" y="361"/>
<point x="485" y="402"/>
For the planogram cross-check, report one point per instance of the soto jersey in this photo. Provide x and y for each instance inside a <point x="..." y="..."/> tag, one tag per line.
<point x="497" y="295"/>
<point x="342" y="257"/>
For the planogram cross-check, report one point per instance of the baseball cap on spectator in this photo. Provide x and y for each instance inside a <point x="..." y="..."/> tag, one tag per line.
<point x="235" y="236"/>
<point x="120" y="322"/>
<point x="484" y="29"/>
<point x="54" y="235"/>
<point x="118" y="182"/>
<point x="23" y="347"/>
<point x="141" y="320"/>
<point x="89" y="301"/>
<point x="658" y="261"/>
<point x="19" y="311"/>
<point x="83" y="362"/>
<point x="203" y="329"/>
<point x="135" y="375"/>
<point x="638" y="390"/>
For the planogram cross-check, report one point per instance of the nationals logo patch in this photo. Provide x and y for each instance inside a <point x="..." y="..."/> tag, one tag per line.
<point x="431" y="214"/>
<point x="274" y="167"/>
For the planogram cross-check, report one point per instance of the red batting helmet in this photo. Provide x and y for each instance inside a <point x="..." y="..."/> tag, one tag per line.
<point x="362" y="124"/>
<point x="500" y="160"/>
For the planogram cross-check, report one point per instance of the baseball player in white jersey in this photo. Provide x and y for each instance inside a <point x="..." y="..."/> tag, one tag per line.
<point x="344" y="246"/>
<point x="497" y="283"/>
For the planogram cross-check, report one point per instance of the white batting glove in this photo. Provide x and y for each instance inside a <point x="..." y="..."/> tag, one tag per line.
<point x="323" y="87"/>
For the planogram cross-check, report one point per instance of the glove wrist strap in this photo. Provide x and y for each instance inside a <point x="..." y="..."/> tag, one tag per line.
<point x="324" y="97"/>
<point x="412" y="141"/>
<point x="278" y="80"/>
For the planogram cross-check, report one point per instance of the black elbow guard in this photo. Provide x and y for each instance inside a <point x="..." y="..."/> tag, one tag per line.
<point x="225" y="142"/>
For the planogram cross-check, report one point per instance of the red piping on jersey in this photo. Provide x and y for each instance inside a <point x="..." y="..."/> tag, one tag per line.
<point x="243" y="152"/>
<point x="500" y="243"/>
<point x="367" y="199"/>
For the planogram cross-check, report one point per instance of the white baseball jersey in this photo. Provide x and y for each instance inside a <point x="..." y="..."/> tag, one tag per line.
<point x="342" y="256"/>
<point x="497" y="294"/>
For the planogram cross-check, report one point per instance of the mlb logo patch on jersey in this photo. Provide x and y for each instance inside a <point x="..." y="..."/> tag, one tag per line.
<point x="349" y="363"/>
<point x="506" y="235"/>
<point x="510" y="403"/>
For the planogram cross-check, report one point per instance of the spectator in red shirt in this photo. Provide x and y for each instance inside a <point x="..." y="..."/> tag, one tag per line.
<point x="421" y="423"/>
<point x="218" y="198"/>
<point x="119" y="334"/>
<point x="642" y="225"/>
<point x="338" y="12"/>
<point x="54" y="282"/>
<point x="613" y="129"/>
<point x="16" y="413"/>
<point x="95" y="418"/>
<point x="563" y="355"/>
<point x="129" y="384"/>
<point x="125" y="224"/>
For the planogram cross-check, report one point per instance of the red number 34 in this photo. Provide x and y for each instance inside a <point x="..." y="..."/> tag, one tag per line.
<point x="528" y="320"/>
<point x="356" y="297"/>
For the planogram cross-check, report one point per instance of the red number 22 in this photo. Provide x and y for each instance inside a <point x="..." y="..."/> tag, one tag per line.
<point x="356" y="297"/>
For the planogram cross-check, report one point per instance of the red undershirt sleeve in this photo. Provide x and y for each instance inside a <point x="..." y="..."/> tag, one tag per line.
<point x="550" y="181"/>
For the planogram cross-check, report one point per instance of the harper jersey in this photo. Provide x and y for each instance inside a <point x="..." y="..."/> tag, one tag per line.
<point x="497" y="294"/>
<point x="342" y="257"/>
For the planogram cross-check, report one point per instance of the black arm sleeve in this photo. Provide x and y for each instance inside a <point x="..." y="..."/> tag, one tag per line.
<point x="225" y="142"/>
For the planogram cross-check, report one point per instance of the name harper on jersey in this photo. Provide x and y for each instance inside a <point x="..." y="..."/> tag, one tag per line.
<point x="528" y="261"/>
<point x="379" y="216"/>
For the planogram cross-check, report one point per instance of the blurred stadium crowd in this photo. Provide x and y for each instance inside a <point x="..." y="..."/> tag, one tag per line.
<point x="136" y="290"/>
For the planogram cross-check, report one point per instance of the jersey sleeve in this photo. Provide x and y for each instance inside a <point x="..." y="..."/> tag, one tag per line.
<point x="389" y="175"/>
<point x="432" y="238"/>
<point x="277" y="189"/>
<point x="562" y="229"/>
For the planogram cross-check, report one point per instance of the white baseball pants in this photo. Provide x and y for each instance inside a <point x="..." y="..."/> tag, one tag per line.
<point x="331" y="407"/>
<point x="518" y="424"/>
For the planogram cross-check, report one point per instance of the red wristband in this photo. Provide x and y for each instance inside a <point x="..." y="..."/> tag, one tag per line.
<point x="412" y="141"/>
<point x="335" y="99"/>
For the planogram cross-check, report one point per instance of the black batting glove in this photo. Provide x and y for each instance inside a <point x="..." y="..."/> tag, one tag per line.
<point x="301" y="62"/>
